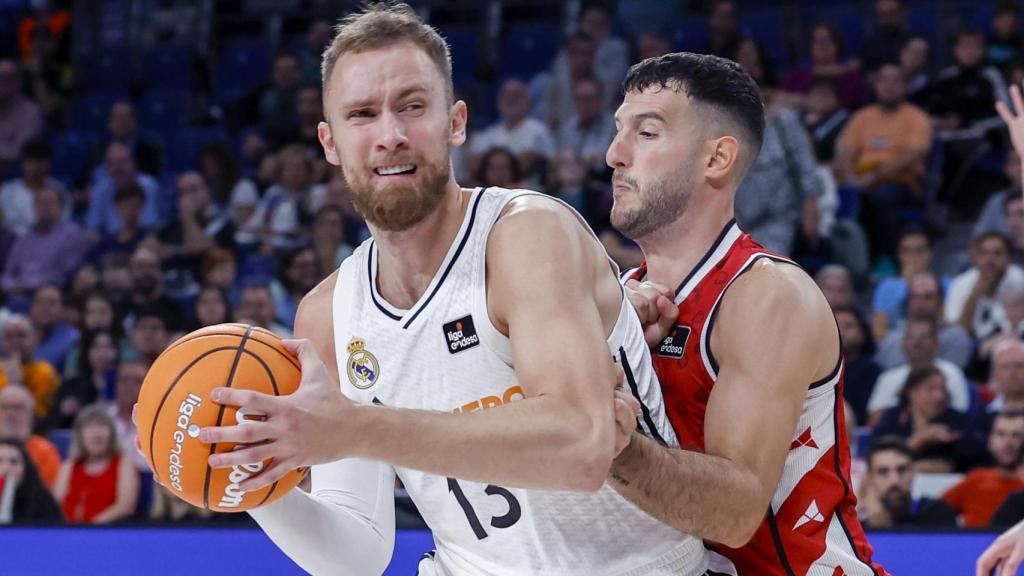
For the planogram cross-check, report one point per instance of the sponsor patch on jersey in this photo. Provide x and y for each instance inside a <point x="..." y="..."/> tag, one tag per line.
<point x="460" y="335"/>
<point x="362" y="366"/>
<point x="675" y="343"/>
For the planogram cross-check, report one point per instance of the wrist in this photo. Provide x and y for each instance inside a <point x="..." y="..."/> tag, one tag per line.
<point x="367" y="423"/>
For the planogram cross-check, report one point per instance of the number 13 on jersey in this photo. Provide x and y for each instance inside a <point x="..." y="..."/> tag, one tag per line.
<point x="504" y="521"/>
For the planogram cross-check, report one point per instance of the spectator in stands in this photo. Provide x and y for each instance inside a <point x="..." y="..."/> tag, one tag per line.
<point x="20" y="118"/>
<point x="56" y="336"/>
<point x="569" y="183"/>
<point x="558" y="102"/>
<point x="977" y="496"/>
<point x="123" y="128"/>
<point x="652" y="44"/>
<point x="20" y="367"/>
<point x="228" y="188"/>
<point x="328" y="238"/>
<point x="971" y="300"/>
<point x="881" y="155"/>
<point x="126" y="393"/>
<point x="297" y="275"/>
<point x="148" y="289"/>
<point x="962" y="94"/>
<point x="939" y="437"/>
<point x="17" y="421"/>
<point x="1007" y="377"/>
<point x="318" y="36"/>
<point x="85" y="280"/>
<point x="7" y="240"/>
<point x="211" y="307"/>
<point x="97" y="484"/>
<point x="858" y="349"/>
<point x="527" y="137"/>
<point x="17" y="197"/>
<point x="891" y="32"/>
<point x="915" y="62"/>
<point x="836" y="284"/>
<point x="94" y="381"/>
<point x="277" y="223"/>
<point x="828" y="61"/>
<point x="32" y="503"/>
<point x="116" y="282"/>
<point x="200" y="225"/>
<point x="1010" y="296"/>
<point x="276" y="105"/>
<point x="1005" y="41"/>
<point x="52" y="20"/>
<point x="308" y="113"/>
<point x="96" y="314"/>
<point x="724" y="29"/>
<point x="148" y="337"/>
<point x="888" y="500"/>
<point x="914" y="255"/>
<point x="993" y="215"/>
<point x="121" y="172"/>
<point x="50" y="76"/>
<point x="48" y="254"/>
<point x="338" y="193"/>
<point x="783" y="182"/>
<point x="591" y="129"/>
<point x="256" y="307"/>
<point x="220" y="270"/>
<point x="824" y="117"/>
<point x="499" y="167"/>
<point x="920" y="346"/>
<point x="129" y="202"/>
<point x="611" y="55"/>
<point x="924" y="301"/>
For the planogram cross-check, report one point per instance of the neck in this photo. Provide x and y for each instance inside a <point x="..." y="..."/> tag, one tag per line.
<point x="890" y="107"/>
<point x="1013" y="404"/>
<point x="675" y="249"/>
<point x="408" y="260"/>
<point x="512" y="123"/>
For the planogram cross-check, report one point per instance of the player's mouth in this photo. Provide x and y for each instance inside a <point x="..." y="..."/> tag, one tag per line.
<point x="395" y="171"/>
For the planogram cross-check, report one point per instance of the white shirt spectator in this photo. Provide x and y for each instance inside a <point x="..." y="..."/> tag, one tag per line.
<point x="530" y="135"/>
<point x="17" y="202"/>
<point x="890" y="384"/>
<point x="590" y="143"/>
<point x="988" y="313"/>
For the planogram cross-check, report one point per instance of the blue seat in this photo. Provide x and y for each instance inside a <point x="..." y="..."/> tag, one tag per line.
<point x="108" y="71"/>
<point x="463" y="44"/>
<point x="90" y="113"/>
<point x="186" y="146"/>
<point x="848" y="19"/>
<point x="164" y="111"/>
<point x="72" y="152"/>
<point x="61" y="440"/>
<point x="527" y="49"/>
<point x="244" y="63"/>
<point x="168" y="66"/>
<point x="689" y="33"/>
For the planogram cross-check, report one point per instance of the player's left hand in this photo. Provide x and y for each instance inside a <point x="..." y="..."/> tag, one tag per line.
<point x="297" y="430"/>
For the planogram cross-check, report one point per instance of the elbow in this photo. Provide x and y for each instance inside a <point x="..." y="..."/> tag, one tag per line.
<point x="742" y="531"/>
<point x="592" y="459"/>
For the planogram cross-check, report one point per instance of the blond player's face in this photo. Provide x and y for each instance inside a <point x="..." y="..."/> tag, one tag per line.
<point x="655" y="157"/>
<point x="390" y="128"/>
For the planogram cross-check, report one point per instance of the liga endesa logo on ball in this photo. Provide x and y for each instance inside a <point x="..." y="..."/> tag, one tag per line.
<point x="185" y="426"/>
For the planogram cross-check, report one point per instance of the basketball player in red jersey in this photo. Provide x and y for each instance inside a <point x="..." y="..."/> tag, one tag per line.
<point x="751" y="369"/>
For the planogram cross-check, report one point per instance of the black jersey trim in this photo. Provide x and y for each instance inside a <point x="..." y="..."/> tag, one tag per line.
<point x="707" y="255"/>
<point x="373" y="286"/>
<point x="644" y="411"/>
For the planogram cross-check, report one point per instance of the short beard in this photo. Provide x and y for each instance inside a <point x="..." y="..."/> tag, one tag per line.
<point x="400" y="207"/>
<point x="897" y="503"/>
<point x="663" y="201"/>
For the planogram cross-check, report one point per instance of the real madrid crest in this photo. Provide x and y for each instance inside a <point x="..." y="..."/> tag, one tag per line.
<point x="362" y="366"/>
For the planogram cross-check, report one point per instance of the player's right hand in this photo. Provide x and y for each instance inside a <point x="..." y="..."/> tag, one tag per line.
<point x="1005" y="553"/>
<point x="1014" y="119"/>
<point x="656" y="307"/>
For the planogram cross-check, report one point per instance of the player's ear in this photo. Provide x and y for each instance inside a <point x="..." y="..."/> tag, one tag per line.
<point x="459" y="117"/>
<point x="722" y="158"/>
<point x="323" y="132"/>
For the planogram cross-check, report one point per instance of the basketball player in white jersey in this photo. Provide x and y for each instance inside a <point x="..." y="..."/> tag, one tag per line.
<point x="473" y="339"/>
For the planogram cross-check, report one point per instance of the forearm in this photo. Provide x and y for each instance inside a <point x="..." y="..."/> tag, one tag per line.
<point x="706" y="496"/>
<point x="538" y="443"/>
<point x="346" y="528"/>
<point x="966" y="319"/>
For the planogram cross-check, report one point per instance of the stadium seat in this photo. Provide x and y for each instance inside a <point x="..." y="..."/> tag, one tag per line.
<point x="71" y="154"/>
<point x="108" y="71"/>
<point x="463" y="42"/>
<point x="168" y="66"/>
<point x="243" y="63"/>
<point x="61" y="440"/>
<point x="184" y="149"/>
<point x="689" y="33"/>
<point x="932" y="485"/>
<point x="89" y="113"/>
<point x="164" y="111"/>
<point x="527" y="49"/>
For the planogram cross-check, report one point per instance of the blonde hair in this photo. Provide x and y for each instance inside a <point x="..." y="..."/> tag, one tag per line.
<point x="94" y="413"/>
<point x="383" y="24"/>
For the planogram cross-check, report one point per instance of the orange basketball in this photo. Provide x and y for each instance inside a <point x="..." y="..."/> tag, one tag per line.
<point x="174" y="404"/>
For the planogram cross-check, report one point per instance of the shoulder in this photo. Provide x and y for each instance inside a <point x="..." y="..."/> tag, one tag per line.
<point x="535" y="214"/>
<point x="315" y="304"/>
<point x="771" y="283"/>
<point x="914" y="113"/>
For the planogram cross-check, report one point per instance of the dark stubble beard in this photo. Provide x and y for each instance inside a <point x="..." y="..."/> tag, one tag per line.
<point x="662" y="201"/>
<point x="400" y="206"/>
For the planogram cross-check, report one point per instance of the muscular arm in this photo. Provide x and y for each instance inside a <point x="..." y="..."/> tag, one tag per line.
<point x="561" y="436"/>
<point x="346" y="523"/>
<point x="773" y="337"/>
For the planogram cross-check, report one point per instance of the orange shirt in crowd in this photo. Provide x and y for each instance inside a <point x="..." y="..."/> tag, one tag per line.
<point x="878" y="137"/>
<point x="57" y="24"/>
<point x="41" y="380"/>
<point x="980" y="493"/>
<point x="46" y="458"/>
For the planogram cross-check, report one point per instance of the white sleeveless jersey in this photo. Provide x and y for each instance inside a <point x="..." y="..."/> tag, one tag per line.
<point x="444" y="354"/>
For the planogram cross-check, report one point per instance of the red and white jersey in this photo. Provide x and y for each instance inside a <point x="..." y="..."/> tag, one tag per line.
<point x="811" y="526"/>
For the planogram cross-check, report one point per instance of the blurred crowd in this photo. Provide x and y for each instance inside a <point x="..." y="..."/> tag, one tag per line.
<point x="138" y="206"/>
